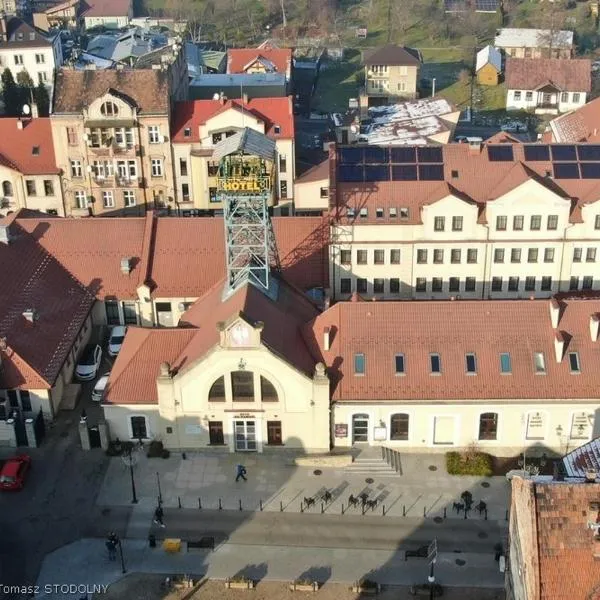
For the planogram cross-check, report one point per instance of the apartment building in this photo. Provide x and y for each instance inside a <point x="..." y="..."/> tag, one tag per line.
<point x="199" y="126"/>
<point x="391" y="75"/>
<point x="112" y="140"/>
<point x="23" y="48"/>
<point x="28" y="172"/>
<point x="480" y="221"/>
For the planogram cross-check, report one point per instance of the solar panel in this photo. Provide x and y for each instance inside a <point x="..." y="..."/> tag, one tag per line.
<point x="429" y="154"/>
<point x="500" y="152"/>
<point x="431" y="172"/>
<point x="566" y="171"/>
<point x="455" y="6"/>
<point x="536" y="152"/>
<point x="375" y="154"/>
<point x="350" y="173"/>
<point x="351" y="156"/>
<point x="406" y="154"/>
<point x="377" y="173"/>
<point x="590" y="170"/>
<point x="486" y="5"/>
<point x="589" y="152"/>
<point x="404" y="172"/>
<point x="563" y="153"/>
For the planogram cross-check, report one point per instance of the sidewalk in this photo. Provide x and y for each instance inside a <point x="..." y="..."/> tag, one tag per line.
<point x="85" y="562"/>
<point x="423" y="488"/>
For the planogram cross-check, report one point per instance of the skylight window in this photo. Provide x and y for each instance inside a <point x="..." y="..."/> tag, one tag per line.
<point x="436" y="364"/>
<point x="399" y="364"/>
<point x="539" y="363"/>
<point x="187" y="132"/>
<point x="505" y="366"/>
<point x="574" y="362"/>
<point x="471" y="364"/>
<point x="359" y="364"/>
<point x="277" y="129"/>
<point x="35" y="151"/>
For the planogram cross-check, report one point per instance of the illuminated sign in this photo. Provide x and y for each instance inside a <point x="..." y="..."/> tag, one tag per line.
<point x="242" y="185"/>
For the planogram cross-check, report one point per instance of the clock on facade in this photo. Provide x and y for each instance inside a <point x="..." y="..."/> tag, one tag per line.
<point x="239" y="335"/>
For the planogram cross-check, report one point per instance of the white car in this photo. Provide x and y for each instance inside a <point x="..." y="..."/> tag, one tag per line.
<point x="89" y="363"/>
<point x="98" y="392"/>
<point x="117" y="335"/>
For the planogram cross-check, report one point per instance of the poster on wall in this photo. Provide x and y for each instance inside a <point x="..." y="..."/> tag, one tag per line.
<point x="379" y="434"/>
<point x="341" y="430"/>
<point x="193" y="429"/>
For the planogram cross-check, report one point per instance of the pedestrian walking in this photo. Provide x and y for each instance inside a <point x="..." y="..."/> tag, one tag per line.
<point x="111" y="546"/>
<point x="158" y="516"/>
<point x="240" y="472"/>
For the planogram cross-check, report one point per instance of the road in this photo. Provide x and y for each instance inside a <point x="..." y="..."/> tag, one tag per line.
<point x="331" y="531"/>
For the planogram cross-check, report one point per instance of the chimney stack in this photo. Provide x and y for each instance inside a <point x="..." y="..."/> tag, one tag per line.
<point x="326" y="339"/>
<point x="559" y="346"/>
<point x="35" y="113"/>
<point x="19" y="124"/>
<point x="594" y="327"/>
<point x="245" y="98"/>
<point x="554" y="312"/>
<point x="31" y="315"/>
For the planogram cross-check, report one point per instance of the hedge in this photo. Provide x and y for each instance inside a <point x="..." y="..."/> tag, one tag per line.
<point x="471" y="463"/>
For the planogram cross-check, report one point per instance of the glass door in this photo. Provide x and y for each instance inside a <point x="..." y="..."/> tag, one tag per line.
<point x="360" y="428"/>
<point x="245" y="436"/>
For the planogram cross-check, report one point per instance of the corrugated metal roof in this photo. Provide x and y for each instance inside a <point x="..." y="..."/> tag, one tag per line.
<point x="248" y="141"/>
<point x="491" y="55"/>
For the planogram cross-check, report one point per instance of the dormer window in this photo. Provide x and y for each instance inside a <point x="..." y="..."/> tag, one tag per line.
<point x="109" y="109"/>
<point x="19" y="36"/>
<point x="187" y="132"/>
<point x="277" y="129"/>
<point x="404" y="213"/>
<point x="35" y="151"/>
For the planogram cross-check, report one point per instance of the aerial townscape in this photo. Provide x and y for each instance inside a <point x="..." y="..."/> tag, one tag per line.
<point x="300" y="298"/>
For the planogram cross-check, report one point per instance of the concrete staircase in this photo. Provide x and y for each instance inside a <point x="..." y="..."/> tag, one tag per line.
<point x="376" y="460"/>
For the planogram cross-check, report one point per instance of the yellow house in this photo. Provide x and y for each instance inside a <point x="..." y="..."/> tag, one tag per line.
<point x="488" y="66"/>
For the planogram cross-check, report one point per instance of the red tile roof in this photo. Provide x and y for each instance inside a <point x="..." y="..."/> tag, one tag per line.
<point x="34" y="279"/>
<point x="29" y="150"/>
<point x="316" y="173"/>
<point x="270" y="111"/>
<point x="133" y="378"/>
<point x="563" y="543"/>
<point x="380" y="330"/>
<point x="180" y="257"/>
<point x="469" y="172"/>
<point x="239" y="59"/>
<point x="107" y="8"/>
<point x="566" y="74"/>
<point x="581" y="125"/>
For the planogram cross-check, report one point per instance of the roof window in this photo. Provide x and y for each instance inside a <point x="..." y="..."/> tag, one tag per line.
<point x="539" y="363"/>
<point x="19" y="36"/>
<point x="454" y="174"/>
<point x="399" y="364"/>
<point x="436" y="364"/>
<point x="404" y="213"/>
<point x="505" y="366"/>
<point x="187" y="132"/>
<point x="379" y="213"/>
<point x="35" y="151"/>
<point x="277" y="129"/>
<point x="359" y="364"/>
<point x="350" y="212"/>
<point x="364" y="212"/>
<point x="471" y="364"/>
<point x="393" y="212"/>
<point x="574" y="362"/>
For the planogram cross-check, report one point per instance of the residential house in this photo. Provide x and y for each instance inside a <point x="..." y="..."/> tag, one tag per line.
<point x="547" y="85"/>
<point x="61" y="15"/>
<point x="22" y="48"/>
<point x="198" y="128"/>
<point x="28" y="172"/>
<point x="311" y="191"/>
<point x="112" y="14"/>
<point x="391" y="75"/>
<point x="498" y="220"/>
<point x="44" y="323"/>
<point x="535" y="43"/>
<point x="580" y="125"/>
<point x="111" y="140"/>
<point x="554" y="541"/>
<point x="488" y="66"/>
<point x="264" y="59"/>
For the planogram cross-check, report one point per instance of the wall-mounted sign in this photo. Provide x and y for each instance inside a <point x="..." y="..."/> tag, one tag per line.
<point x="244" y="416"/>
<point x="379" y="434"/>
<point x="193" y="429"/>
<point x="242" y="185"/>
<point x="341" y="430"/>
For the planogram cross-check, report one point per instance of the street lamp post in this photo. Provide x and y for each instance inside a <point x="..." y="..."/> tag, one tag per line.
<point x="159" y="490"/>
<point x="130" y="457"/>
<point x="123" y="569"/>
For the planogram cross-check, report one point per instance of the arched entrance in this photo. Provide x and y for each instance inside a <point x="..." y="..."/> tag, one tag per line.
<point x="360" y="428"/>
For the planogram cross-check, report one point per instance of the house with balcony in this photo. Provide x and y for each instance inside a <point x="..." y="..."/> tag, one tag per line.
<point x="111" y="139"/>
<point x="201" y="125"/>
<point x="391" y="75"/>
<point x="547" y="85"/>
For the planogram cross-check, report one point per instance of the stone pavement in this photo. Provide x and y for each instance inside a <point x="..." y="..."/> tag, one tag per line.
<point x="86" y="562"/>
<point x="424" y="488"/>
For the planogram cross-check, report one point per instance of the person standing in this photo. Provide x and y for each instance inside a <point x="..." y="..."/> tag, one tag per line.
<point x="158" y="516"/>
<point x="240" y="472"/>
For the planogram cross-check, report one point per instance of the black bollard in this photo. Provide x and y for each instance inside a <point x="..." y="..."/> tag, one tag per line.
<point x="383" y="509"/>
<point x="342" y="508"/>
<point x="179" y="501"/>
<point x="260" y="504"/>
<point x="404" y="510"/>
<point x="220" y="505"/>
<point x="466" y="511"/>
<point x="506" y="518"/>
<point x="240" y="504"/>
<point x="322" y="508"/>
<point x="199" y="503"/>
<point x="444" y="512"/>
<point x="424" y="511"/>
<point x="301" y="506"/>
<point x="486" y="514"/>
<point x="280" y="506"/>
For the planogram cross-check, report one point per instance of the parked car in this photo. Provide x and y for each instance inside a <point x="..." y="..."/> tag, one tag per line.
<point x="14" y="471"/>
<point x="89" y="363"/>
<point x="98" y="391"/>
<point x="117" y="335"/>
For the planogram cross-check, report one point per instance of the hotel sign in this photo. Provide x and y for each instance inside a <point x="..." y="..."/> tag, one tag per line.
<point x="242" y="184"/>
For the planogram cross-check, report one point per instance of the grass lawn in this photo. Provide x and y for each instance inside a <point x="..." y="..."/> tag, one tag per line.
<point x="336" y="84"/>
<point x="445" y="65"/>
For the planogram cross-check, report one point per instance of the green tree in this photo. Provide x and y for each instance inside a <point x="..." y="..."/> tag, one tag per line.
<point x="42" y="99"/>
<point x="24" y="79"/>
<point x="10" y="94"/>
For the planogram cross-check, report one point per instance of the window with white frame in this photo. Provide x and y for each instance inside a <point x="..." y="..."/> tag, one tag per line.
<point x="18" y="59"/>
<point x="122" y="169"/>
<point x="536" y="426"/>
<point x="128" y="197"/>
<point x="40" y="59"/>
<point x="132" y="169"/>
<point x="517" y="95"/>
<point x="108" y="199"/>
<point x="138" y="426"/>
<point x="488" y="426"/>
<point x="80" y="199"/>
<point x="42" y="77"/>
<point x="154" y="134"/>
<point x="76" y="170"/>
<point x="157" y="167"/>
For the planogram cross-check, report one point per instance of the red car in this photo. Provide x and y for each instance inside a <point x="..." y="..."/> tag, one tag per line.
<point x="14" y="471"/>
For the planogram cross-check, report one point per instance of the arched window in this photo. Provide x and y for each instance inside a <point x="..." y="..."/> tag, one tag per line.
<point x="7" y="188"/>
<point x="242" y="386"/>
<point x="109" y="109"/>
<point x="217" y="390"/>
<point x="488" y="426"/>
<point x="267" y="390"/>
<point x="399" y="427"/>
